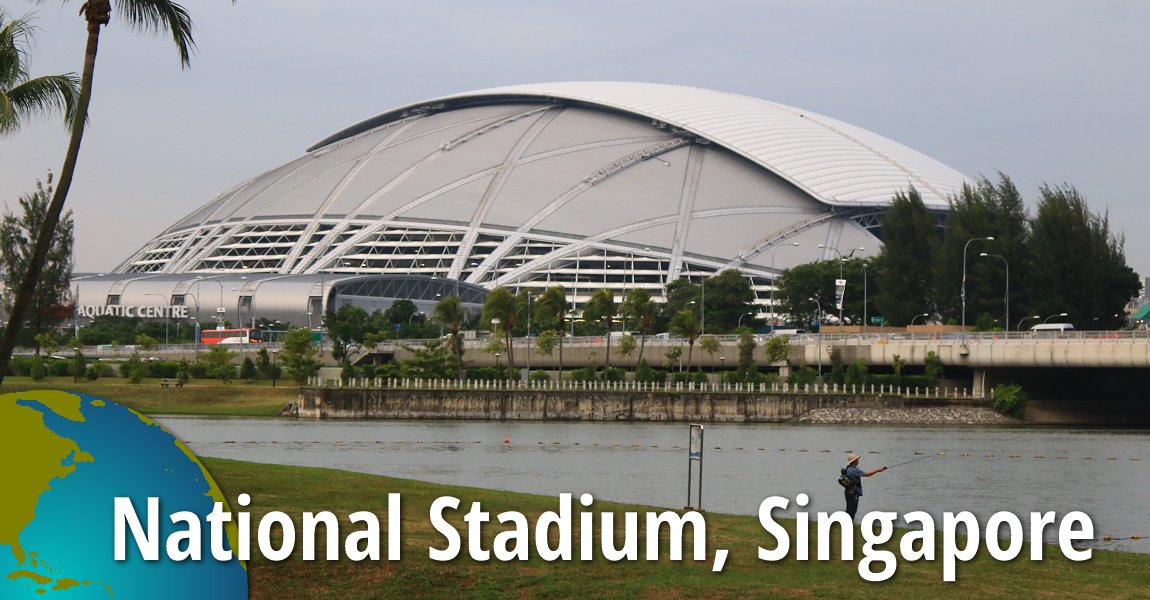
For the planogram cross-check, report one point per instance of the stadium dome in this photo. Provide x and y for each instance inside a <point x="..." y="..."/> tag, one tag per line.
<point x="586" y="184"/>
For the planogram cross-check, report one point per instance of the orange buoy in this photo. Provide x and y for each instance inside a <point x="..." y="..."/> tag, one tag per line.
<point x="506" y="440"/>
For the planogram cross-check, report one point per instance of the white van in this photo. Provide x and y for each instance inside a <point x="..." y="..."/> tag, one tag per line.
<point x="1058" y="327"/>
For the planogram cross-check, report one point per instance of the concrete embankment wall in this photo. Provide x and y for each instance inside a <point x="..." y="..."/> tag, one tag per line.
<point x="345" y="403"/>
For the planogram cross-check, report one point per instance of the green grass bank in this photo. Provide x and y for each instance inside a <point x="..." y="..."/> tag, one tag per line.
<point x="295" y="490"/>
<point x="197" y="397"/>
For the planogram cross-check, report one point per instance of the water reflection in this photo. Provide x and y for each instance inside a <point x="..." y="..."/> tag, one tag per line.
<point x="1103" y="473"/>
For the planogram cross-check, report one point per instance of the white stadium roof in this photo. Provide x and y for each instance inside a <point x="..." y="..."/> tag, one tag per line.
<point x="585" y="184"/>
<point x="836" y="162"/>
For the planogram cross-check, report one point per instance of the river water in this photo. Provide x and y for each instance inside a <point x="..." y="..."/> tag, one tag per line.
<point x="1104" y="473"/>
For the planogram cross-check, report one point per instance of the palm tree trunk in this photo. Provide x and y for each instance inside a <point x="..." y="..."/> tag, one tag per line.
<point x="458" y="346"/>
<point x="642" y="345"/>
<point x="607" y="365"/>
<point x="561" y="348"/>
<point x="97" y="13"/>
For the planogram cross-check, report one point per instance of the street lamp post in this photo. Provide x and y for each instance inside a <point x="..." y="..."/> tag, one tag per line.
<point x="842" y="259"/>
<point x="740" y="323"/>
<point x="917" y="316"/>
<point x="529" y="334"/>
<point x="1006" y="299"/>
<point x="1047" y="320"/>
<point x="819" y="338"/>
<point x="962" y="293"/>
<point x="220" y="313"/>
<point x="1023" y="319"/>
<point x="863" y="263"/>
<point x="774" y="317"/>
<point x="497" y="366"/>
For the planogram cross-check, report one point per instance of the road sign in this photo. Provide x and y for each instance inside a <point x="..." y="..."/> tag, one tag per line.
<point x="877" y="320"/>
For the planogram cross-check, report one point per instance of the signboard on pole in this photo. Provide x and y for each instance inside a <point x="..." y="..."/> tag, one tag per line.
<point x="877" y="320"/>
<point x="840" y="292"/>
<point x="695" y="454"/>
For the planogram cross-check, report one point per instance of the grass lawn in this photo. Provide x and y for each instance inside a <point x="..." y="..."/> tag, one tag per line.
<point x="198" y="397"/>
<point x="295" y="490"/>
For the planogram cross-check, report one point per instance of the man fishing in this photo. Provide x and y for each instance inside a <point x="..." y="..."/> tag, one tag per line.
<point x="855" y="474"/>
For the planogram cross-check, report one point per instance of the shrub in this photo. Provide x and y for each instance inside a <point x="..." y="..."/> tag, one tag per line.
<point x="802" y="376"/>
<point x="36" y="368"/>
<point x="647" y="374"/>
<point x="540" y="375"/>
<point x="1010" y="400"/>
<point x="933" y="369"/>
<point x="614" y="374"/>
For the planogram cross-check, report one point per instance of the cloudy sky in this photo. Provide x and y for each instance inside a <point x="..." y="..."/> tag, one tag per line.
<point x="1042" y="90"/>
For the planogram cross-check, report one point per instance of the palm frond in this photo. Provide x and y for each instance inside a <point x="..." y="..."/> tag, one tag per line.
<point x="158" y="16"/>
<point x="47" y="94"/>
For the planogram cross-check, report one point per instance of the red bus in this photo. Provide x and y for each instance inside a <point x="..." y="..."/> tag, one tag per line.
<point x="231" y="336"/>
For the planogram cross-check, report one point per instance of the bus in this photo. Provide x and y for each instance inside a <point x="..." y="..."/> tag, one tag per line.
<point x="231" y="336"/>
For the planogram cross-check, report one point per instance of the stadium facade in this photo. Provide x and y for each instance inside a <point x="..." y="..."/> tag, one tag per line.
<point x="586" y="184"/>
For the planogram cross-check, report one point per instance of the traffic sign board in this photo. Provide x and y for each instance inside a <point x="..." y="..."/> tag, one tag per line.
<point x="877" y="320"/>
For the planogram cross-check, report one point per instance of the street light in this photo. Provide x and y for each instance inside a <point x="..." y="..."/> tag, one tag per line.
<point x="774" y="318"/>
<point x="1006" y="300"/>
<point x="220" y="311"/>
<point x="1025" y="318"/>
<point x="740" y="323"/>
<point x="917" y="316"/>
<point x="1052" y="316"/>
<point x="842" y="259"/>
<point x="529" y="333"/>
<point x="497" y="366"/>
<point x="962" y="294"/>
<point x="818" y="321"/>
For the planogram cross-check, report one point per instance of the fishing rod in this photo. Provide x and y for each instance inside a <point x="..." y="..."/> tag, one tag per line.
<point x="914" y="460"/>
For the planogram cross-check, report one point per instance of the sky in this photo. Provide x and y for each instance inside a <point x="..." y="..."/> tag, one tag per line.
<point x="1045" y="91"/>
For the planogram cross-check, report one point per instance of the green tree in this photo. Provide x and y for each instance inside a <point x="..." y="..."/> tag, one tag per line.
<point x="798" y="285"/>
<point x="627" y="345"/>
<point x="729" y="296"/>
<point x="450" y="312"/>
<point x="348" y="328"/>
<point x="146" y="342"/>
<point x="552" y="304"/>
<point x="1080" y="266"/>
<point x="218" y="363"/>
<point x="778" y="348"/>
<point x="710" y="344"/>
<point x="248" y="371"/>
<point x="838" y="372"/>
<point x="672" y="356"/>
<point x="642" y="310"/>
<point x="856" y="373"/>
<point x="906" y="264"/>
<point x="22" y="96"/>
<point x="501" y="304"/>
<point x="299" y="355"/>
<point x="685" y="324"/>
<point x="747" y="371"/>
<point x="17" y="233"/>
<point x="601" y="307"/>
<point x="149" y="15"/>
<point x="433" y="360"/>
<point x="546" y="342"/>
<point x="933" y="369"/>
<point x="982" y="210"/>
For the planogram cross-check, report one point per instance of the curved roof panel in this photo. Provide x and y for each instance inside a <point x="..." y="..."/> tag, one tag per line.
<point x="836" y="162"/>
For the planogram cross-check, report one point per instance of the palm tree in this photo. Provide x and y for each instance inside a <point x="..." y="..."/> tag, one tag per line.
<point x="643" y="310"/>
<point x="21" y="96"/>
<point x="601" y="306"/>
<point x="450" y="311"/>
<point x="685" y="323"/>
<point x="503" y="305"/>
<point x="553" y="302"/>
<point x="147" y="15"/>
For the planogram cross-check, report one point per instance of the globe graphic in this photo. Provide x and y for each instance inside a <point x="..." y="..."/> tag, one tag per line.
<point x="66" y="457"/>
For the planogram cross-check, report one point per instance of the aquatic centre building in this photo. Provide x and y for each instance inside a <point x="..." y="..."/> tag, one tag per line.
<point x="586" y="184"/>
